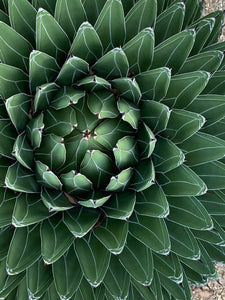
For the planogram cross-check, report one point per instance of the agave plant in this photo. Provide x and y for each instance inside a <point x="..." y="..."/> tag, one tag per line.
<point x="112" y="132"/>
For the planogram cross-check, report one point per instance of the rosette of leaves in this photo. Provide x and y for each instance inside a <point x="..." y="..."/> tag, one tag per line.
<point x="112" y="176"/>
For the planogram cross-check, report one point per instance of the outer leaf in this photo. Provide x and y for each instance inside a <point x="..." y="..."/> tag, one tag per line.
<point x="4" y="164"/>
<point x="176" y="291"/>
<point x="4" y="17"/>
<point x="7" y="205"/>
<point x="95" y="267"/>
<point x="6" y="234"/>
<point x="55" y="200"/>
<point x="49" y="5"/>
<point x="150" y="231"/>
<point x="23" y="151"/>
<point x="8" y="136"/>
<point x="216" y="84"/>
<point x="85" y="290"/>
<point x="55" y="239"/>
<point x="214" y="202"/>
<point x="24" y="249"/>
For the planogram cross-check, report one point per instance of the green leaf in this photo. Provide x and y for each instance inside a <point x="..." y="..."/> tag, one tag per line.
<point x="39" y="277"/>
<point x="187" y="246"/>
<point x="87" y="44"/>
<point x="141" y="15"/>
<point x="49" y="5"/>
<point x="69" y="14"/>
<point x="190" y="10"/>
<point x="7" y="205"/>
<point x="112" y="234"/>
<point x="213" y="174"/>
<point x="81" y="220"/>
<point x="4" y="164"/>
<point x="4" y="17"/>
<point x="166" y="156"/>
<point x="21" y="180"/>
<point x="144" y="175"/>
<point x="14" y="49"/>
<point x="139" y="51"/>
<point x="117" y="280"/>
<point x="155" y="115"/>
<point x="184" y="88"/>
<point x="94" y="269"/>
<point x="214" y="202"/>
<point x="152" y="202"/>
<point x="93" y="199"/>
<point x="6" y="234"/>
<point x="44" y="94"/>
<point x="7" y="136"/>
<point x="93" y="83"/>
<point x="189" y="212"/>
<point x="29" y="210"/>
<point x="130" y="112"/>
<point x="182" y="181"/>
<point x="43" y="68"/>
<point x="126" y="152"/>
<point x="23" y="18"/>
<point x="152" y="232"/>
<point x="137" y="260"/>
<point x="17" y="107"/>
<point x="12" y="81"/>
<point x="127" y="88"/>
<point x="55" y="239"/>
<point x="146" y="140"/>
<point x="64" y="268"/>
<point x="34" y="130"/>
<point x="216" y="129"/>
<point x="24" y="249"/>
<point x="45" y="177"/>
<point x="154" y="83"/>
<point x="173" y="288"/>
<point x="216" y="32"/>
<point x="50" y="37"/>
<point x="110" y="22"/>
<point x="121" y="205"/>
<point x="85" y="290"/>
<point x="73" y="69"/>
<point x="182" y="125"/>
<point x="52" y="151"/>
<point x="173" y="52"/>
<point x="139" y="291"/>
<point x="75" y="182"/>
<point x="217" y="46"/>
<point x="55" y="200"/>
<point x="119" y="182"/>
<point x="171" y="19"/>
<point x="113" y="64"/>
<point x="23" y="152"/>
<point x="216" y="84"/>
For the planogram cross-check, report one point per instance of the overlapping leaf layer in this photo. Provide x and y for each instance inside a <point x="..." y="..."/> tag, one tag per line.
<point x="112" y="148"/>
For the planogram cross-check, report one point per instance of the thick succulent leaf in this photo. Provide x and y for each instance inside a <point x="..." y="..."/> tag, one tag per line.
<point x="6" y="234"/>
<point x="12" y="81"/>
<point x="187" y="246"/>
<point x="7" y="136"/>
<point x="189" y="212"/>
<point x="68" y="268"/>
<point x="44" y="94"/>
<point x="113" y="64"/>
<point x="75" y="182"/>
<point x="55" y="200"/>
<point x="93" y="199"/>
<point x="66" y="121"/>
<point x="119" y="182"/>
<point x="152" y="202"/>
<point x="130" y="112"/>
<point x="184" y="88"/>
<point x="139" y="51"/>
<point x="17" y="107"/>
<point x="202" y="148"/>
<point x="112" y="234"/>
<point x="216" y="84"/>
<point x="117" y="280"/>
<point x="152" y="232"/>
<point x="173" y="52"/>
<point x="50" y="37"/>
<point x="216" y="32"/>
<point x="216" y="253"/>
<point x="137" y="260"/>
<point x="55" y="239"/>
<point x="182" y="181"/>
<point x="45" y="177"/>
<point x="39" y="277"/>
<point x="127" y="88"/>
<point x="94" y="269"/>
<point x="214" y="202"/>
<point x="34" y="130"/>
<point x="126" y="152"/>
<point x="29" y="210"/>
<point x="49" y="5"/>
<point x="69" y="14"/>
<point x="52" y="151"/>
<point x="146" y="140"/>
<point x="217" y="46"/>
<point x="4" y="17"/>
<point x="93" y="83"/>
<point x="182" y="125"/>
<point x="154" y="83"/>
<point x="171" y="19"/>
<point x="87" y="44"/>
<point x="14" y="49"/>
<point x="23" y="152"/>
<point x="120" y="206"/>
<point x="43" y="68"/>
<point x="5" y="162"/>
<point x="213" y="174"/>
<point x="81" y="220"/>
<point x="175" y="289"/>
<point x="155" y="115"/>
<point x="20" y="179"/>
<point x="144" y="175"/>
<point x="166" y="156"/>
<point x="141" y="15"/>
<point x="7" y="204"/>
<point x="24" y="249"/>
<point x="216" y="129"/>
<point x="23" y="18"/>
<point x="110" y="22"/>
<point x="85" y="290"/>
<point x="51" y="293"/>
<point x="75" y="68"/>
<point x="139" y="292"/>
<point x="190" y="11"/>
